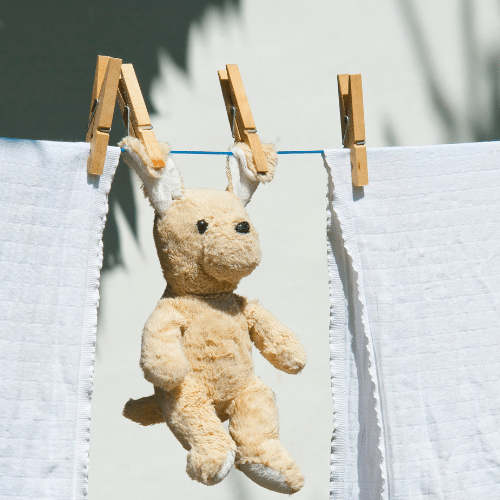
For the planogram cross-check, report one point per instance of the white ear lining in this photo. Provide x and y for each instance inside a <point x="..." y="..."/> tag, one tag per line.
<point x="164" y="188"/>
<point x="242" y="180"/>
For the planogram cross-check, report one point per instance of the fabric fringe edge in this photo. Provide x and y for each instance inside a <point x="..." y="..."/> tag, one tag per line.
<point x="86" y="374"/>
<point x="338" y="206"/>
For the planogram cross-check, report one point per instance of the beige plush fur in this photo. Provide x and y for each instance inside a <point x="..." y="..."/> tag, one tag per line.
<point x="197" y="345"/>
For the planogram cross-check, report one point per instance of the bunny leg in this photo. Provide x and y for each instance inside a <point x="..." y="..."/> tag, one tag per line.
<point x="253" y="424"/>
<point x="192" y="418"/>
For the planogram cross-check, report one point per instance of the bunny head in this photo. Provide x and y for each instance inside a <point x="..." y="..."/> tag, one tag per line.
<point x="205" y="240"/>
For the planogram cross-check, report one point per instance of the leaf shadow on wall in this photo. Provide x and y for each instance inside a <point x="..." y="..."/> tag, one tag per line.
<point x="48" y="53"/>
<point x="480" y="119"/>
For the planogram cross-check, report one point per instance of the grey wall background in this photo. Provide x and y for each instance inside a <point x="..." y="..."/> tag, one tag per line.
<point x="431" y="74"/>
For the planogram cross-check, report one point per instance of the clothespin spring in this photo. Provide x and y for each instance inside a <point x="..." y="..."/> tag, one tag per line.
<point x="233" y="113"/>
<point x="144" y="127"/>
<point x="346" y="120"/>
<point x="94" y="108"/>
<point x="128" y="119"/>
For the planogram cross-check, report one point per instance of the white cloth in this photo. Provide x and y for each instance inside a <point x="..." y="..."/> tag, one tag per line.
<point x="51" y="220"/>
<point x="414" y="263"/>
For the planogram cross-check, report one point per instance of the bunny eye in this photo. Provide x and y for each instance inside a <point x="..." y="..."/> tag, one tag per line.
<point x="243" y="227"/>
<point x="202" y="226"/>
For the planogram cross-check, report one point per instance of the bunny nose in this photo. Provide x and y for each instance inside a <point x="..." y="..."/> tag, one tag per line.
<point x="243" y="227"/>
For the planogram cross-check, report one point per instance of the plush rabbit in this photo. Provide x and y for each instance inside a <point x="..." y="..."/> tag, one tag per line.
<point x="197" y="343"/>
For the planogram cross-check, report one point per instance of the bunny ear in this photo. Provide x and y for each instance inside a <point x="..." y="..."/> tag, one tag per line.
<point x="241" y="173"/>
<point x="161" y="186"/>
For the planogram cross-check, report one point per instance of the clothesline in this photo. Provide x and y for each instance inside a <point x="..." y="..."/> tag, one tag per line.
<point x="228" y="153"/>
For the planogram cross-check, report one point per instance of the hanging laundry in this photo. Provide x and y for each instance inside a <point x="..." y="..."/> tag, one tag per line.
<point x="414" y="263"/>
<point x="51" y="224"/>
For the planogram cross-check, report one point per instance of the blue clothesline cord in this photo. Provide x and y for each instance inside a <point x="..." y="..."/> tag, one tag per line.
<point x="315" y="151"/>
<point x="228" y="153"/>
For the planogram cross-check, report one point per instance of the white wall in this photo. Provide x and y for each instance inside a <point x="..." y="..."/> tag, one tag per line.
<point x="428" y="77"/>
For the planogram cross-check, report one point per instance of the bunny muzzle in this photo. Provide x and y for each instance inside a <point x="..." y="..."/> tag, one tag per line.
<point x="231" y="250"/>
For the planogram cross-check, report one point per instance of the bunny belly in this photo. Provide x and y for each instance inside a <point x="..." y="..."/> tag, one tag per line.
<point x="219" y="351"/>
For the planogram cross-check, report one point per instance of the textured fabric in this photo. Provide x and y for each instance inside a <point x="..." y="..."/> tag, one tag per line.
<point x="414" y="262"/>
<point x="51" y="223"/>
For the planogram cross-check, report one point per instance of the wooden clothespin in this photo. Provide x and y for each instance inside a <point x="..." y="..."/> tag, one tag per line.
<point x="114" y="80"/>
<point x="352" y="120"/>
<point x="239" y="114"/>
<point x="102" y="108"/>
<point x="135" y="115"/>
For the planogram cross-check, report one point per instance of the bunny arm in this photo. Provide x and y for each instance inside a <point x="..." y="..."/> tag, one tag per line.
<point x="277" y="343"/>
<point x="162" y="357"/>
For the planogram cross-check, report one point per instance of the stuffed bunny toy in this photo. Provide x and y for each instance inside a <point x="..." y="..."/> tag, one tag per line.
<point x="197" y="343"/>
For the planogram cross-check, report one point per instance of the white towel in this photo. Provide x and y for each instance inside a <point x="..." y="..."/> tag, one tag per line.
<point x="51" y="220"/>
<point x="414" y="262"/>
